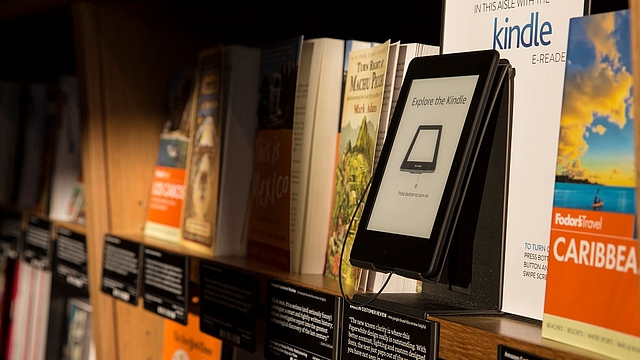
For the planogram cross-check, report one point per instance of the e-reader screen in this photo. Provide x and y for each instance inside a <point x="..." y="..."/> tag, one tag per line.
<point x="407" y="202"/>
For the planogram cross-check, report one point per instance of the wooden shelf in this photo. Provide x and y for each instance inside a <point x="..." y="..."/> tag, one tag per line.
<point x="478" y="337"/>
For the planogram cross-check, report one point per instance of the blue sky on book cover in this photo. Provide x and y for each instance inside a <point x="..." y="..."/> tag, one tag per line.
<point x="595" y="165"/>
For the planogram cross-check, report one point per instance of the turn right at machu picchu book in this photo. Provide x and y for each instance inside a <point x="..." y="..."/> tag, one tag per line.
<point x="591" y="297"/>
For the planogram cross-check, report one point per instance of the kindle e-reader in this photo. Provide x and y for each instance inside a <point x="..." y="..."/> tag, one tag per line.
<point x="431" y="143"/>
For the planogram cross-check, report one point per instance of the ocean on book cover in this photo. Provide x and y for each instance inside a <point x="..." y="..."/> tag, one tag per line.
<point x="592" y="284"/>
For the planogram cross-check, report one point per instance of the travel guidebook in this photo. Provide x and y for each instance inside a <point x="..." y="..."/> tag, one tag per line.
<point x="592" y="283"/>
<point x="165" y="202"/>
<point x="203" y="162"/>
<point x="361" y="109"/>
<point x="268" y="237"/>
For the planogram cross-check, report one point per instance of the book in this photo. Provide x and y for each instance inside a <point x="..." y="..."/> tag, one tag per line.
<point x="23" y="299"/>
<point x="67" y="162"/>
<point x="234" y="124"/>
<point x="7" y="271"/>
<point x="533" y="37"/>
<point x="50" y="127"/>
<point x="592" y="297"/>
<point x="240" y="87"/>
<point x="360" y="116"/>
<point x="368" y="277"/>
<point x="406" y="53"/>
<point x="316" y="117"/>
<point x="387" y="97"/>
<point x="187" y="341"/>
<point x="11" y="125"/>
<point x="164" y="212"/>
<point x="34" y="142"/>
<point x="349" y="45"/>
<point x="78" y="343"/>
<point x="268" y="229"/>
<point x="36" y="348"/>
<point x="200" y="205"/>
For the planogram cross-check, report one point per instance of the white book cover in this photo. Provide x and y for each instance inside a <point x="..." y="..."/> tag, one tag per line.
<point x="532" y="35"/>
<point x="322" y="159"/>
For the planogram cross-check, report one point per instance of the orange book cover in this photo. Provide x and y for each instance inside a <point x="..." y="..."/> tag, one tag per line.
<point x="268" y="221"/>
<point x="167" y="189"/>
<point x="591" y="296"/>
<point x="187" y="342"/>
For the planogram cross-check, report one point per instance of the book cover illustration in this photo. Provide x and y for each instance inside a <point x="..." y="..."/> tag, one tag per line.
<point x="268" y="212"/>
<point x="592" y="283"/>
<point x="201" y="193"/>
<point x="187" y="342"/>
<point x="361" y="109"/>
<point x="79" y="343"/>
<point x="532" y="35"/>
<point x="167" y="189"/>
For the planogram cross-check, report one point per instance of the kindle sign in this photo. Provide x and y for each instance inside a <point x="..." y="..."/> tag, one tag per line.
<point x="534" y="33"/>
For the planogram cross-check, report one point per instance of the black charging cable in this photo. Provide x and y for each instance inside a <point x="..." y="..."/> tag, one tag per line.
<point x="344" y="243"/>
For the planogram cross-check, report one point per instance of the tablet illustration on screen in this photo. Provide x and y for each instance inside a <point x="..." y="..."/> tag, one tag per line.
<point x="423" y="151"/>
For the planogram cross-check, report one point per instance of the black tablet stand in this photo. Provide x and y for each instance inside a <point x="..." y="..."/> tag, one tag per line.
<point x="470" y="280"/>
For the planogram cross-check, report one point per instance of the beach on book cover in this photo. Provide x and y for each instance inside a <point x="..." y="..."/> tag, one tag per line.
<point x="592" y="285"/>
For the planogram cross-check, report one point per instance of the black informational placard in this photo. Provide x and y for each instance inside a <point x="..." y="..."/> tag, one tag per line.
<point x="10" y="232"/>
<point x="70" y="258"/>
<point x="508" y="353"/>
<point x="121" y="269"/>
<point x="165" y="281"/>
<point x="301" y="323"/>
<point x="370" y="333"/>
<point x="229" y="305"/>
<point x="37" y="243"/>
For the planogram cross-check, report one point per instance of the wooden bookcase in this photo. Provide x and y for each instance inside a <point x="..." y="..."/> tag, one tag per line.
<point x="123" y="53"/>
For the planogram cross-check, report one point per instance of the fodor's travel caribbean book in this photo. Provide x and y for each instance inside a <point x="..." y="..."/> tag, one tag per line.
<point x="592" y="283"/>
<point x="361" y="109"/>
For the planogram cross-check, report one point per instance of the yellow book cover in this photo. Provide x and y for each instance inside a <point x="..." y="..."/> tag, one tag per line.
<point x="361" y="109"/>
